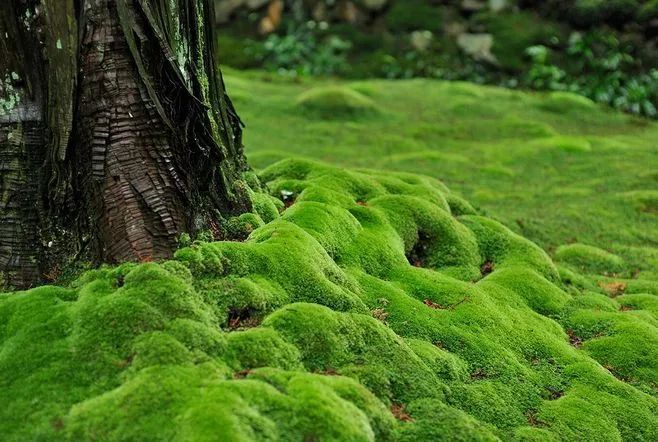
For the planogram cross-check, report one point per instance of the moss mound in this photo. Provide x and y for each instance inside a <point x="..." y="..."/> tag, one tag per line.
<point x="376" y="306"/>
<point x="566" y="143"/>
<point x="567" y="102"/>
<point x="590" y="259"/>
<point x="644" y="201"/>
<point x="336" y="102"/>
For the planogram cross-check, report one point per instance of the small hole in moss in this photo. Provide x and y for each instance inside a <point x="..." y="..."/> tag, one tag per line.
<point x="126" y="362"/>
<point x="478" y="374"/>
<point x="288" y="198"/>
<point x="432" y="304"/>
<point x="486" y="268"/>
<point x="329" y="371"/>
<point x="615" y="372"/>
<point x="58" y="424"/>
<point x="436" y="306"/>
<point x="574" y="340"/>
<point x="418" y="254"/>
<point x="554" y="394"/>
<point x="239" y="318"/>
<point x="242" y="373"/>
<point x="533" y="420"/>
<point x="121" y="280"/>
<point x="398" y="411"/>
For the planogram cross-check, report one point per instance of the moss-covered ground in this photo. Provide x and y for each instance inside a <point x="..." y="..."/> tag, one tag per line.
<point x="374" y="304"/>
<point x="555" y="168"/>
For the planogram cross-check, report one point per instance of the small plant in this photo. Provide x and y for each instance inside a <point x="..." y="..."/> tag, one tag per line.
<point x="302" y="50"/>
<point x="542" y="74"/>
<point x="598" y="66"/>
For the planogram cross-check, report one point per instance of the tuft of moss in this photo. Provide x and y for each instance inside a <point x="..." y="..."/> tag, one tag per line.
<point x="566" y="144"/>
<point x="590" y="259"/>
<point x="567" y="102"/>
<point x="336" y="102"/>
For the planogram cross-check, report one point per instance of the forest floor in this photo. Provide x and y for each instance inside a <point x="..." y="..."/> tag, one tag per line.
<point x="555" y="168"/>
<point x="377" y="304"/>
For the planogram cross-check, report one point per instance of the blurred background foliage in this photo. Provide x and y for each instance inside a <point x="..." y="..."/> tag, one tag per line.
<point x="606" y="50"/>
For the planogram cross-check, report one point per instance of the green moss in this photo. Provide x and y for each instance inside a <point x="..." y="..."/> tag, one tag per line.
<point x="643" y="201"/>
<point x="261" y="347"/>
<point x="591" y="12"/>
<point x="435" y="421"/>
<point x="240" y="227"/>
<point x="590" y="259"/>
<point x="649" y="11"/>
<point x="377" y="306"/>
<point x="567" y="144"/>
<point x="414" y="15"/>
<point x="566" y="102"/>
<point x="514" y="32"/>
<point x="336" y="102"/>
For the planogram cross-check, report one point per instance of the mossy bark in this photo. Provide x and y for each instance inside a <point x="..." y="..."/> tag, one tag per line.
<point x="116" y="134"/>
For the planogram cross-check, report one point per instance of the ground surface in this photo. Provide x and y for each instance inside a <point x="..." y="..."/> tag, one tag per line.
<point x="373" y="304"/>
<point x="555" y="168"/>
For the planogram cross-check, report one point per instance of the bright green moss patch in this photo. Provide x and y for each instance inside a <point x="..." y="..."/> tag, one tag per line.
<point x="567" y="144"/>
<point x="376" y="306"/>
<point x="589" y="259"/>
<point x="567" y="102"/>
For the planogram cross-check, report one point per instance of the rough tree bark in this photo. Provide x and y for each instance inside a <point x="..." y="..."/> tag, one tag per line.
<point x="116" y="134"/>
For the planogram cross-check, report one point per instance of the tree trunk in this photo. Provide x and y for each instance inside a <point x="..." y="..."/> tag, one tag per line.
<point x="116" y="134"/>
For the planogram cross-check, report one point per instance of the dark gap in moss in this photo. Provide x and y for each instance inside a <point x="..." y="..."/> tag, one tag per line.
<point x="418" y="254"/>
<point x="626" y="308"/>
<point x="241" y="318"/>
<point x="478" y="374"/>
<point x="615" y="372"/>
<point x="574" y="340"/>
<point x="242" y="373"/>
<point x="436" y="306"/>
<point x="533" y="420"/>
<point x="554" y="394"/>
<point x="329" y="371"/>
<point x="127" y="361"/>
<point x="486" y="269"/>
<point x="398" y="411"/>
<point x="288" y="198"/>
<point x="120" y="281"/>
<point x="58" y="424"/>
<point x="432" y="304"/>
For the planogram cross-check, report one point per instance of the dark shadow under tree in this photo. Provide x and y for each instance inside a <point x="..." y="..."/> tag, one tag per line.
<point x="116" y="133"/>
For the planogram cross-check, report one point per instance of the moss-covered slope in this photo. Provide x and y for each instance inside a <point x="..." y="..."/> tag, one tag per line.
<point x="372" y="306"/>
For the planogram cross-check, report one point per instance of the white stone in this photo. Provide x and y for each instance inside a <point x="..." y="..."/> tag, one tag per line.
<point x="477" y="46"/>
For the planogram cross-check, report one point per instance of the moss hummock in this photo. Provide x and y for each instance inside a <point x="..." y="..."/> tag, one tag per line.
<point x="376" y="306"/>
